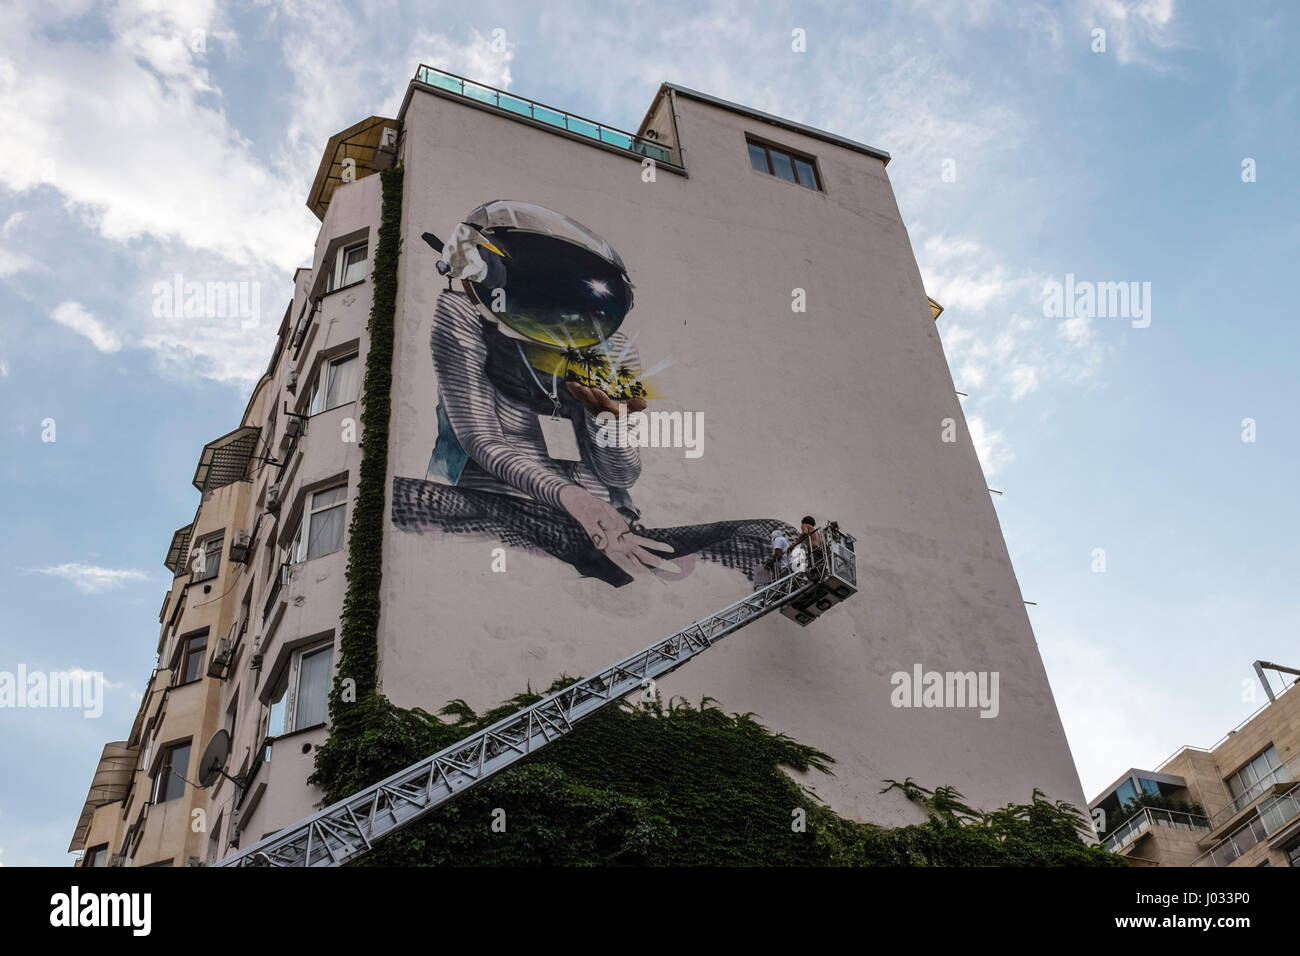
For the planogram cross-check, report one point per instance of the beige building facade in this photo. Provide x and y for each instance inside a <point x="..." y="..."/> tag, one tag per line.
<point x="747" y="278"/>
<point x="1242" y="792"/>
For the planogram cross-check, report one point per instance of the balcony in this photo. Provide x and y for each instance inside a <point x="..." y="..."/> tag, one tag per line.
<point x="210" y="569"/>
<point x="1147" y="817"/>
<point x="546" y="115"/>
<point x="1274" y="814"/>
<point x="1282" y="774"/>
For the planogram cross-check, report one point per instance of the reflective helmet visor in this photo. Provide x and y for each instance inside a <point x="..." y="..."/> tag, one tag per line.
<point x="554" y="291"/>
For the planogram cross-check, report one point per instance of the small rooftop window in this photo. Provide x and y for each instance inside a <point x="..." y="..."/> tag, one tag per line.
<point x="775" y="161"/>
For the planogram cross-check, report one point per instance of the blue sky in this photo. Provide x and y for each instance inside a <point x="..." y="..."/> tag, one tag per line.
<point x="135" y="152"/>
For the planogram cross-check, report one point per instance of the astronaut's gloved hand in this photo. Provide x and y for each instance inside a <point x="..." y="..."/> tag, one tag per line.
<point x="609" y="533"/>
<point x="596" y="401"/>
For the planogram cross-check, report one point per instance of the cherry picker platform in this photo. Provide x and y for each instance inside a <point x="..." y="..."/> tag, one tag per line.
<point x="825" y="576"/>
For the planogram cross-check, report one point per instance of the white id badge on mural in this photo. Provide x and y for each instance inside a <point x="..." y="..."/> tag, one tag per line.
<point x="561" y="440"/>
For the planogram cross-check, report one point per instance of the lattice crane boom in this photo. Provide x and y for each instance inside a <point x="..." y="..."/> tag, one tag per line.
<point x="346" y="830"/>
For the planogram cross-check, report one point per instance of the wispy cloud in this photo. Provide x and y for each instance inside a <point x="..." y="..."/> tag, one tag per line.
<point x="74" y="316"/>
<point x="1136" y="32"/>
<point x="91" y="579"/>
<point x="990" y="446"/>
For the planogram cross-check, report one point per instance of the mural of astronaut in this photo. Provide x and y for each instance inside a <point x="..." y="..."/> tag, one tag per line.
<point x="527" y="352"/>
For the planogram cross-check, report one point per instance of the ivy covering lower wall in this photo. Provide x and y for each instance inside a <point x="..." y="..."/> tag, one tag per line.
<point x="681" y="786"/>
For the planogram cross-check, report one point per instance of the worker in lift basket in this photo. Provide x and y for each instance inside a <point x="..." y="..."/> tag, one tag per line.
<point x="809" y="545"/>
<point x="778" y="565"/>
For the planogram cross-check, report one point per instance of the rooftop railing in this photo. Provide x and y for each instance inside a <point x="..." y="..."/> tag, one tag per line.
<point x="1215" y="746"/>
<point x="1147" y="817"/>
<point x="542" y="114"/>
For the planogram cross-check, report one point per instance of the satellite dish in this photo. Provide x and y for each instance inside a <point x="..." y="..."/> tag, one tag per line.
<point x="213" y="762"/>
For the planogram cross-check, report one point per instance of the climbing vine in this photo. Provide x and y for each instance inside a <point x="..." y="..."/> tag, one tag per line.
<point x="353" y="698"/>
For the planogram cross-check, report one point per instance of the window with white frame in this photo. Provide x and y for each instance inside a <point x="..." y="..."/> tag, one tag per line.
<point x="1256" y="776"/>
<point x="349" y="267"/>
<point x="205" y="559"/>
<point x="320" y="531"/>
<point x="335" y="384"/>
<point x="169" y="782"/>
<point x="301" y="695"/>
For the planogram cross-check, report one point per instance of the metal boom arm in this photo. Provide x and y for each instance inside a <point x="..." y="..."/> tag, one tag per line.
<point x="351" y="827"/>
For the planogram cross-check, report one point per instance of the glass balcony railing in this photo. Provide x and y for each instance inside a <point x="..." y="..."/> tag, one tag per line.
<point x="1274" y="814"/>
<point x="542" y="114"/>
<point x="1147" y="817"/>
<point x="1280" y="774"/>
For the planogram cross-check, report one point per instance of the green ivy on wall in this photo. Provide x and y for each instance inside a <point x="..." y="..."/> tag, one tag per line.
<point x="677" y="787"/>
<point x="353" y="697"/>
<point x="681" y="786"/>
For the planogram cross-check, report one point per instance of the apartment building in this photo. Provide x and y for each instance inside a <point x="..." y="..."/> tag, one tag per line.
<point x="1244" y="787"/>
<point x="745" y="278"/>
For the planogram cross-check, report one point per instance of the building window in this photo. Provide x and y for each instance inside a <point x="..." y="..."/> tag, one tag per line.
<point x="96" y="856"/>
<point x="205" y="559"/>
<point x="301" y="696"/>
<point x="169" y="783"/>
<point x="349" y="267"/>
<point x="321" y="530"/>
<point x="783" y="164"/>
<point x="1255" y="777"/>
<point x="193" y="652"/>
<point x="335" y="385"/>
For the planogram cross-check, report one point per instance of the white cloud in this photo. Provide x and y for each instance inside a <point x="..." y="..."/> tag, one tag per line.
<point x="11" y="224"/>
<point x="1077" y="330"/>
<point x="990" y="446"/>
<point x="146" y="148"/>
<point x="148" y="157"/>
<point x="1024" y="379"/>
<point x="1135" y="31"/>
<point x="75" y="317"/>
<point x="476" y="59"/>
<point x="994" y="347"/>
<point x="12" y="263"/>
<point x="971" y="375"/>
<point x="90" y="579"/>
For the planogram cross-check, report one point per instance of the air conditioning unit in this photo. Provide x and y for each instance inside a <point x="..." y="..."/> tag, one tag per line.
<point x="241" y="546"/>
<point x="220" y="658"/>
<point x="291" y="383"/>
<point x="293" y="427"/>
<point x="273" y="497"/>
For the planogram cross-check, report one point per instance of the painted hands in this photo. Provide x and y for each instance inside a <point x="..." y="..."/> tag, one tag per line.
<point x="596" y="401"/>
<point x="611" y="536"/>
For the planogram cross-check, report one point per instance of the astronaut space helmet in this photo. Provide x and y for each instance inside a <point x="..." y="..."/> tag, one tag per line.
<point x="545" y="276"/>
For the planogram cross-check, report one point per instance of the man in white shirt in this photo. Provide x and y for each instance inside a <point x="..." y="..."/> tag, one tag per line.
<point x="780" y="561"/>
